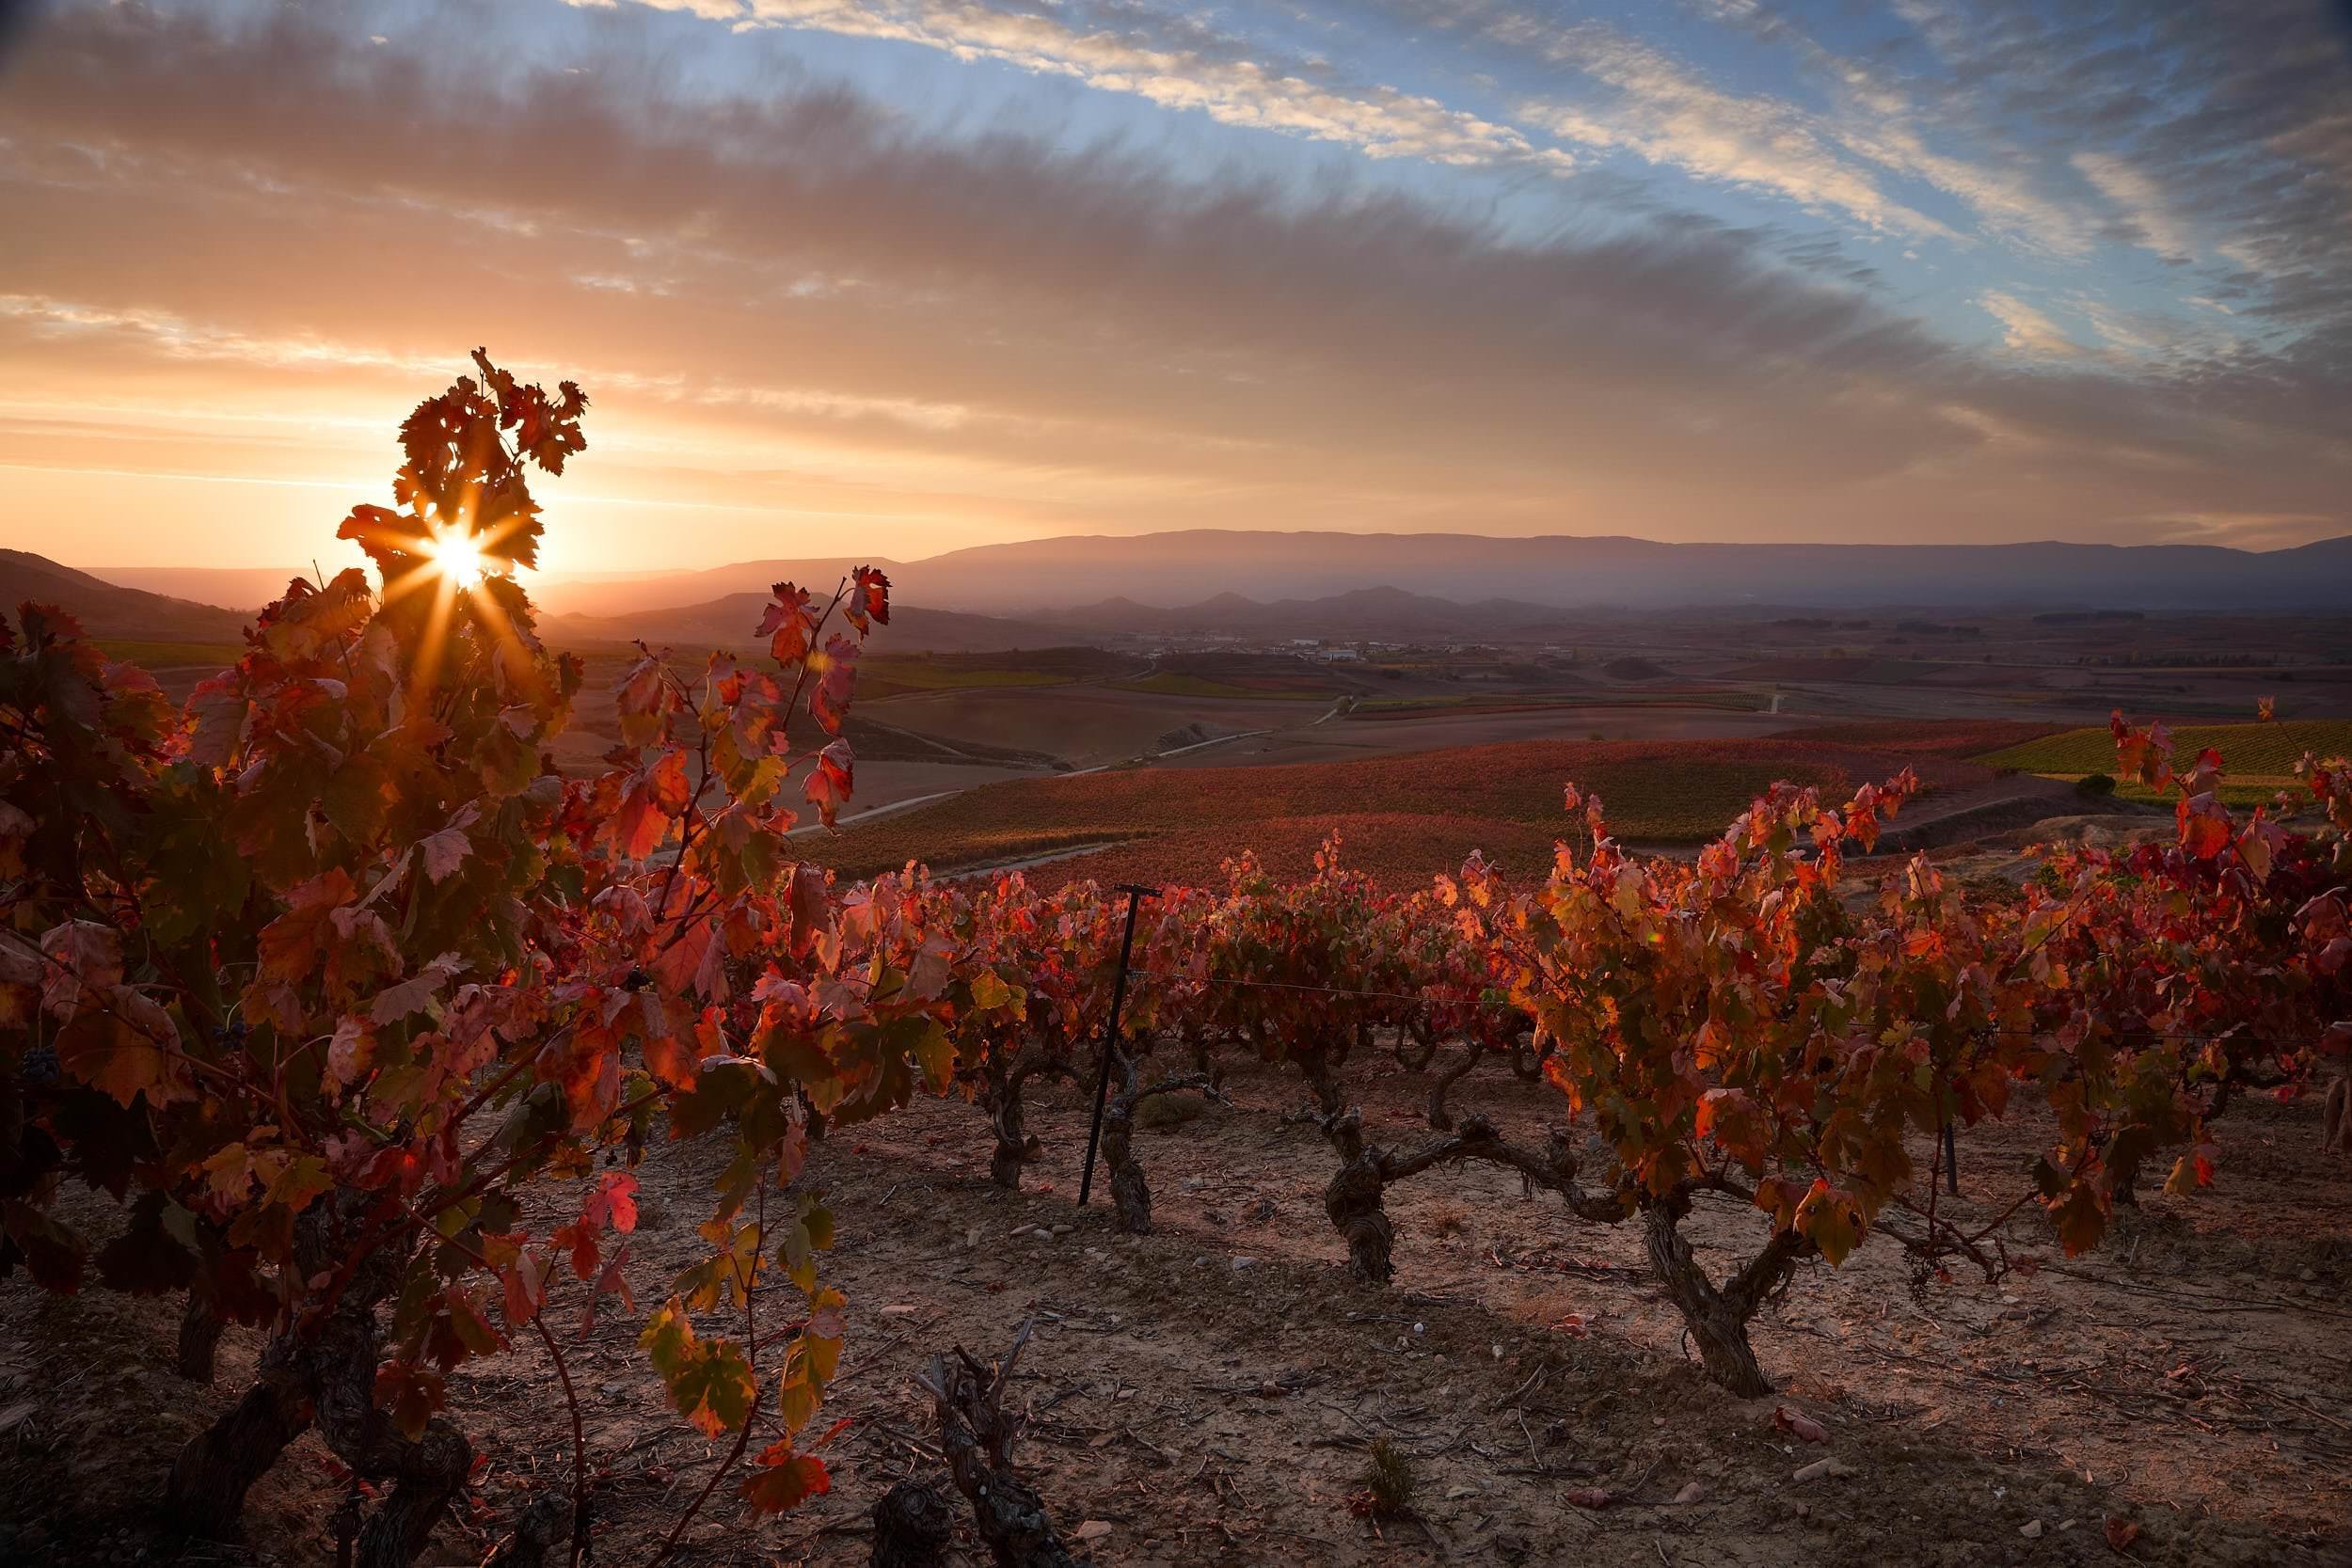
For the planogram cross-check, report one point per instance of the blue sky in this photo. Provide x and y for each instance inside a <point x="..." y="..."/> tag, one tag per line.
<point x="966" y="269"/>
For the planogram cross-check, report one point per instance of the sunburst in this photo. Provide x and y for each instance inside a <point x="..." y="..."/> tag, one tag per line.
<point x="456" y="557"/>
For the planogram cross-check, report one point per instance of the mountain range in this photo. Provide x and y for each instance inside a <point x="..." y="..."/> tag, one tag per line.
<point x="1042" y="592"/>
<point x="1037" y="578"/>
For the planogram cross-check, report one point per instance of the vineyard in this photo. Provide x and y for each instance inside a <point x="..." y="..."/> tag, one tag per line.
<point x="2262" y="757"/>
<point x="1407" y="817"/>
<point x="559" y="1166"/>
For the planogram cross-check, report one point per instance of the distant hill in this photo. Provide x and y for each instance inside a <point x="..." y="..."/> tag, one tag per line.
<point x="729" y="622"/>
<point x="108" y="609"/>
<point x="1384" y="614"/>
<point x="246" y="588"/>
<point x="683" y="591"/>
<point x="1194" y="568"/>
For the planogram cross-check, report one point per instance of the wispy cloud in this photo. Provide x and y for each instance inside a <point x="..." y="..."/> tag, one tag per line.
<point x="2026" y="330"/>
<point x="2142" y="202"/>
<point x="1221" y="81"/>
<point x="793" y="293"/>
<point x="1669" y="116"/>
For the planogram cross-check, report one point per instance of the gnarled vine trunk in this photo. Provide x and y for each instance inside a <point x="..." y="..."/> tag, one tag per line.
<point x="1440" y="1118"/>
<point x="215" y="1468"/>
<point x="1354" y="1198"/>
<point x="322" y="1369"/>
<point x="199" y="1338"/>
<point x="1130" y="1194"/>
<point x="1014" y="1146"/>
<point x="1718" y="1319"/>
<point x="977" y="1434"/>
<point x="1002" y="1100"/>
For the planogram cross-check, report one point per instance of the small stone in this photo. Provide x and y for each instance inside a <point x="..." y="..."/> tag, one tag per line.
<point x="1064" y="1230"/>
<point x="1093" y="1529"/>
<point x="1421" y="1329"/>
<point x="1241" y="1263"/>
<point x="1456" y="1494"/>
<point x="2307" y="1275"/>
<point x="2031" y="1529"/>
<point x="1498" y="1350"/>
<point x="1692" y="1492"/>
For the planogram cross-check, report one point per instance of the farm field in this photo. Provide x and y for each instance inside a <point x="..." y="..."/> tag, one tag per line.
<point x="1174" y="684"/>
<point x="1084" y="725"/>
<point x="152" y="656"/>
<point x="2257" y="752"/>
<point x="1404" y="817"/>
<point x="1736" y="702"/>
<point x="887" y="675"/>
<point x="1208" y="1392"/>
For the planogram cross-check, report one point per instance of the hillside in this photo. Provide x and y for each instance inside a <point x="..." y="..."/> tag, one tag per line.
<point x="107" y="610"/>
<point x="729" y="621"/>
<point x="1183" y="569"/>
<point x="1404" y="818"/>
<point x="1389" y="614"/>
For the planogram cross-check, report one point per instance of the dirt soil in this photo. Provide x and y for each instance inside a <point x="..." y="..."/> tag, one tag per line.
<point x="1206" y="1394"/>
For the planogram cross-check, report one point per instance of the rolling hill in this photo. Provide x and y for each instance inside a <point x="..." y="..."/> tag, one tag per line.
<point x="1389" y="614"/>
<point x="1195" y="568"/>
<point x="108" y="609"/>
<point x="729" y="621"/>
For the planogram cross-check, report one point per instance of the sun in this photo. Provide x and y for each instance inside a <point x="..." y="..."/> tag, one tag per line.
<point x="456" y="557"/>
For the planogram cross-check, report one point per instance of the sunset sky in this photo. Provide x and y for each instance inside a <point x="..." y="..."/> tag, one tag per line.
<point x="894" y="277"/>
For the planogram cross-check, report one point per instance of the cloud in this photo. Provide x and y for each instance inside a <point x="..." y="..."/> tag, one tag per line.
<point x="2026" y="329"/>
<point x="796" y="304"/>
<point x="2233" y="114"/>
<point x="1201" y="72"/>
<point x="1670" y="117"/>
<point x="2149" y="219"/>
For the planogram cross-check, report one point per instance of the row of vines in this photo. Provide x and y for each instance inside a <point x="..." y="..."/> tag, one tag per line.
<point x="320" y="976"/>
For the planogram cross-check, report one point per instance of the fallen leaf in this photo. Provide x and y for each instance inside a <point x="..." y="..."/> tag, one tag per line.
<point x="2121" y="1533"/>
<point x="1093" y="1529"/>
<point x="1798" y="1424"/>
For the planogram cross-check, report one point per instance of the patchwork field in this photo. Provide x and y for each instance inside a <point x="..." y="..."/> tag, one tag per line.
<point x="1403" y="817"/>
<point x="2248" y="750"/>
<point x="1169" y="683"/>
<point x="887" y="675"/>
<point x="2258" y="760"/>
